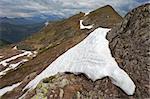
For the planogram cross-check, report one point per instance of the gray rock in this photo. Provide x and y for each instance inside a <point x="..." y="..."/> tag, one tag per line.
<point x="130" y="45"/>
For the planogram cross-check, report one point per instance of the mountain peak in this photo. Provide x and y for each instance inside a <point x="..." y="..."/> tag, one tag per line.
<point x="107" y="6"/>
<point x="105" y="16"/>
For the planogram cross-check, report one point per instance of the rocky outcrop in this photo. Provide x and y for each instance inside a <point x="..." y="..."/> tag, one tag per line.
<point x="130" y="45"/>
<point x="70" y="86"/>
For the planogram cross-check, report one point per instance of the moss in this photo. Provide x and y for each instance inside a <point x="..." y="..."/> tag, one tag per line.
<point x="44" y="90"/>
<point x="51" y="45"/>
<point x="41" y="91"/>
<point x="49" y="79"/>
<point x="25" y="47"/>
<point x="39" y="96"/>
<point x="39" y="85"/>
<point x="63" y="83"/>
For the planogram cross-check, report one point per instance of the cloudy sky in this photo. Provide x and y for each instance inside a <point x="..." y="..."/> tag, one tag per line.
<point x="28" y="8"/>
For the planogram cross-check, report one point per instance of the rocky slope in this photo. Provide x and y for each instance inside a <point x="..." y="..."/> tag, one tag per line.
<point x="50" y="43"/>
<point x="129" y="43"/>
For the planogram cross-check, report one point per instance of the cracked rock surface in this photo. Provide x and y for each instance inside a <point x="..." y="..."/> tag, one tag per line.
<point x="130" y="45"/>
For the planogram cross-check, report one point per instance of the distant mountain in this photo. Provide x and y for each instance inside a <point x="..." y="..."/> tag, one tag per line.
<point x="30" y="20"/>
<point x="16" y="32"/>
<point x="17" y="29"/>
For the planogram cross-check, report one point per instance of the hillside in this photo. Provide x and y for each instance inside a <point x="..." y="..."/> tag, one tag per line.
<point x="51" y="42"/>
<point x="60" y="31"/>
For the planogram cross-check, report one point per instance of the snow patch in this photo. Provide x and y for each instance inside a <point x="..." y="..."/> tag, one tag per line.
<point x="12" y="66"/>
<point x="4" y="62"/>
<point x="87" y="13"/>
<point x="85" y="27"/>
<point x="15" y="48"/>
<point x="92" y="57"/>
<point x="1" y="56"/>
<point x="46" y="23"/>
<point x="34" y="53"/>
<point x="25" y="53"/>
<point x="8" y="88"/>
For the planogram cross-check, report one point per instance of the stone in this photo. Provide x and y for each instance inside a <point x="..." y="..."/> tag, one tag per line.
<point x="130" y="42"/>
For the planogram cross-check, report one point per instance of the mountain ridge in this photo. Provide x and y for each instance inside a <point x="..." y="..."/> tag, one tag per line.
<point x="72" y="25"/>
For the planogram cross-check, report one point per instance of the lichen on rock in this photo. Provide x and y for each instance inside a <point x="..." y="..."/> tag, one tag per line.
<point x="130" y="46"/>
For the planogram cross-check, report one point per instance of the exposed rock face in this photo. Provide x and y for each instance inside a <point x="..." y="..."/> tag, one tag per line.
<point x="70" y="86"/>
<point x="130" y="45"/>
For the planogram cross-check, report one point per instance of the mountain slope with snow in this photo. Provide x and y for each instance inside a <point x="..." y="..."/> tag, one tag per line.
<point x="103" y="17"/>
<point x="129" y="43"/>
<point x="52" y="42"/>
<point x="92" y="57"/>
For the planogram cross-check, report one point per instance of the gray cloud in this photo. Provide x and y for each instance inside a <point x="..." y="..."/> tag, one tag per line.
<point x="27" y="8"/>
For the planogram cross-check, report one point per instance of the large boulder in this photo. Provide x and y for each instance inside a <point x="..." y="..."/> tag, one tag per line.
<point x="130" y="45"/>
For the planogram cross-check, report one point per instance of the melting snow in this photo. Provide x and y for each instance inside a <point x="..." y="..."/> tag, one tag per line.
<point x="85" y="27"/>
<point x="46" y="23"/>
<point x="15" y="48"/>
<point x="92" y="57"/>
<point x="87" y="13"/>
<point x="34" y="53"/>
<point x="8" y="88"/>
<point x="12" y="66"/>
<point x="25" y="53"/>
<point x="1" y="56"/>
